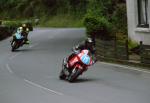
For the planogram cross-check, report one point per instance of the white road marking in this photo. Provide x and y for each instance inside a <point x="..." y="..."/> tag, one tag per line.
<point x="127" y="67"/>
<point x="39" y="86"/>
<point x="8" y="68"/>
<point x="12" y="57"/>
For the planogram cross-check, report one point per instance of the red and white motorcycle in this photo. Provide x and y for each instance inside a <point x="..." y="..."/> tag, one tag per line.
<point x="76" y="65"/>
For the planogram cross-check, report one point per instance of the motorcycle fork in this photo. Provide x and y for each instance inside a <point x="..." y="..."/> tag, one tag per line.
<point x="74" y="70"/>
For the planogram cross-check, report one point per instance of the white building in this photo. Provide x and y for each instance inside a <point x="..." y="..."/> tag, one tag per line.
<point x="138" y="12"/>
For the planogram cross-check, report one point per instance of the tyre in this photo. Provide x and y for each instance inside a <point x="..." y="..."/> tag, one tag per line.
<point x="62" y="76"/>
<point x="13" y="46"/>
<point x="74" y="75"/>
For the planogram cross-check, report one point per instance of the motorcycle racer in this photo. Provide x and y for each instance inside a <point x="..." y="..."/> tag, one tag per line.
<point x="87" y="44"/>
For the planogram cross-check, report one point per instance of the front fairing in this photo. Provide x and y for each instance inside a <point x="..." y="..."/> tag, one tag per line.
<point x="80" y="61"/>
<point x="85" y="59"/>
<point x="18" y="36"/>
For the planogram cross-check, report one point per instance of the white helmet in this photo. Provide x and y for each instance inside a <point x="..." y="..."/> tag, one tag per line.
<point x="20" y="29"/>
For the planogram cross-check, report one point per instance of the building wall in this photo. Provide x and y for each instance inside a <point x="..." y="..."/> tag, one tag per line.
<point x="134" y="32"/>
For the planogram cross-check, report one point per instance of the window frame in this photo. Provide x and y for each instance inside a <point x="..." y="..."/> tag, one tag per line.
<point x="139" y="6"/>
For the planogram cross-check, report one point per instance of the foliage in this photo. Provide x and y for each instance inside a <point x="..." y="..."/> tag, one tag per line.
<point x="61" y="21"/>
<point x="132" y="44"/>
<point x="119" y="20"/>
<point x="11" y="23"/>
<point x="38" y="8"/>
<point x="15" y="24"/>
<point x="47" y="10"/>
<point x="98" y="26"/>
<point x="106" y="17"/>
<point x="4" y="32"/>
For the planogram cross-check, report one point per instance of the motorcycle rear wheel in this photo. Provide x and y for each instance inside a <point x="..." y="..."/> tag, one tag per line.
<point x="74" y="76"/>
<point x="62" y="76"/>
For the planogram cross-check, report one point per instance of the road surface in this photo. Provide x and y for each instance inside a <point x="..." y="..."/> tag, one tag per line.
<point x="30" y="75"/>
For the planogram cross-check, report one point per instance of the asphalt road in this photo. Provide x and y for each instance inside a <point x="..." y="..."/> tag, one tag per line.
<point x="30" y="75"/>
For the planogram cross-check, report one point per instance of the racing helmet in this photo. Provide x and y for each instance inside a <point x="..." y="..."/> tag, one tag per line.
<point x="88" y="42"/>
<point x="20" y="29"/>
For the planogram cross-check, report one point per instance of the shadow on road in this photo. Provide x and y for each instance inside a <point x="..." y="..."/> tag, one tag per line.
<point x="23" y="50"/>
<point x="81" y="80"/>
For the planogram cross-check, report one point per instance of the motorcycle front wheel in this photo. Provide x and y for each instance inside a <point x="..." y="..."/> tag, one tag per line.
<point x="74" y="75"/>
<point x="13" y="46"/>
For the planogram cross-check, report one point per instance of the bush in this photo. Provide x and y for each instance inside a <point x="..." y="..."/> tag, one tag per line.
<point x="15" y="24"/>
<point x="4" y="32"/>
<point x="132" y="44"/>
<point x="12" y="24"/>
<point x="107" y="19"/>
<point x="98" y="26"/>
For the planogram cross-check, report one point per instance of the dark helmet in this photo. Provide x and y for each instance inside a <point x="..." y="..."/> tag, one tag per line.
<point x="89" y="42"/>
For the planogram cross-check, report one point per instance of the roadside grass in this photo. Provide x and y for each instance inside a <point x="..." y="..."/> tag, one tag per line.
<point x="61" y="21"/>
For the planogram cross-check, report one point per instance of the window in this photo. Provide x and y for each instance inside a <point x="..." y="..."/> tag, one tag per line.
<point x="143" y="13"/>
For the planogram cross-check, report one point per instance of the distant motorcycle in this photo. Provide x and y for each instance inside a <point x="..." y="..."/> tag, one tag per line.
<point x="76" y="65"/>
<point x="17" y="41"/>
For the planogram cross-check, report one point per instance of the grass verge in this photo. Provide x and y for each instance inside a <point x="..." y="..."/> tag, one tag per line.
<point x="60" y="21"/>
